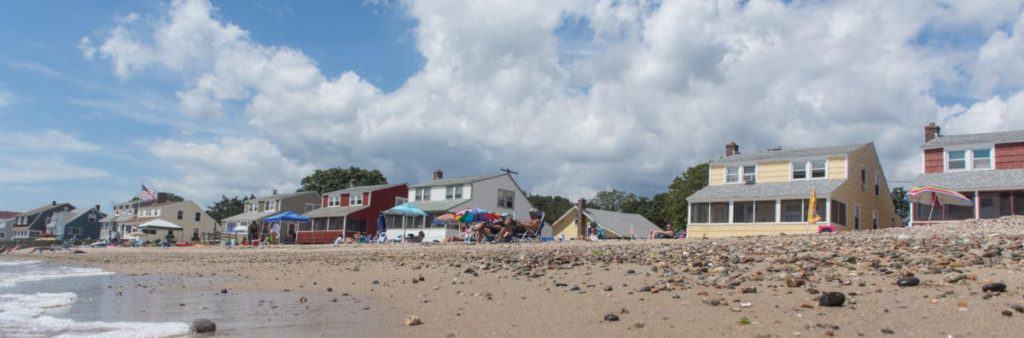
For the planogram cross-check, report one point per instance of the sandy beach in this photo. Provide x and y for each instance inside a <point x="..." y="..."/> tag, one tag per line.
<point x="760" y="286"/>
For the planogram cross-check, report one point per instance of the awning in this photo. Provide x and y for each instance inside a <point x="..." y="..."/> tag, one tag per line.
<point x="159" y="224"/>
<point x="286" y="216"/>
<point x="334" y="211"/>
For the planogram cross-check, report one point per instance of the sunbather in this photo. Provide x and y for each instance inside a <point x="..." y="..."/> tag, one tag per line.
<point x="508" y="225"/>
<point x="464" y="232"/>
<point x="415" y="239"/>
<point x="484" y="229"/>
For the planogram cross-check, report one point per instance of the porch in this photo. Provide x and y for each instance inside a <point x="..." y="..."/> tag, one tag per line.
<point x="987" y="205"/>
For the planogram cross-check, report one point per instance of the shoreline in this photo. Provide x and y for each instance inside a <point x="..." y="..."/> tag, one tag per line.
<point x="760" y="286"/>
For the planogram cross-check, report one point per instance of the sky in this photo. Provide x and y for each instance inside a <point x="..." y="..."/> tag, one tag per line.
<point x="205" y="98"/>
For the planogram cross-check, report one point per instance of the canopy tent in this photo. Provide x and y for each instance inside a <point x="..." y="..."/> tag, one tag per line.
<point x="159" y="224"/>
<point x="286" y="216"/>
<point x="936" y="196"/>
<point x="405" y="210"/>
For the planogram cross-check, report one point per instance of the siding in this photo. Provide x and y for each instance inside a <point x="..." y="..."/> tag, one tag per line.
<point x="837" y="167"/>
<point x="851" y="194"/>
<point x="777" y="171"/>
<point x="933" y="160"/>
<point x="749" y="229"/>
<point x="1010" y="155"/>
<point x="717" y="175"/>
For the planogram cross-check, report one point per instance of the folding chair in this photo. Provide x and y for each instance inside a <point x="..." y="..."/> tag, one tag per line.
<point x="533" y="236"/>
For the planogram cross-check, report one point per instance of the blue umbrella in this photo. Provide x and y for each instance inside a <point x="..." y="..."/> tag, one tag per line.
<point x="406" y="209"/>
<point x="382" y="225"/>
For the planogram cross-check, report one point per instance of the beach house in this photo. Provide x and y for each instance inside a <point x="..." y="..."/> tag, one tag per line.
<point x="988" y="168"/>
<point x="76" y="224"/>
<point x="349" y="211"/>
<point x="6" y="223"/>
<point x="32" y="223"/>
<point x="124" y="222"/>
<point x="612" y="224"/>
<point x="768" y="192"/>
<point x="256" y="209"/>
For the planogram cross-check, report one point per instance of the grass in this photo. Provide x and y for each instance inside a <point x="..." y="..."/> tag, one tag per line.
<point x="744" y="321"/>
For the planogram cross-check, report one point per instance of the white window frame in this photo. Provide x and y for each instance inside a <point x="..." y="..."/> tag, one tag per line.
<point x="808" y="169"/>
<point x="512" y="198"/>
<point x="453" y="192"/>
<point x="355" y="199"/>
<point x="741" y="173"/>
<point x="334" y="200"/>
<point x="744" y="173"/>
<point x="271" y="206"/>
<point x="421" y="194"/>
<point x="969" y="157"/>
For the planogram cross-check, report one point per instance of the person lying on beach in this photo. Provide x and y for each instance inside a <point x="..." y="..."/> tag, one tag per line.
<point x="658" y="234"/>
<point x="508" y="225"/>
<point x="484" y="229"/>
<point x="464" y="232"/>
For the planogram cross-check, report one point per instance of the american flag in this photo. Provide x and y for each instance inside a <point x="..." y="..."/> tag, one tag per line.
<point x="146" y="194"/>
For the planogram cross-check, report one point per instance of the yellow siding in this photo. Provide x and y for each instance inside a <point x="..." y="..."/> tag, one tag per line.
<point x="749" y="229"/>
<point x="566" y="228"/>
<point x="837" y="167"/>
<point x="717" y="175"/>
<point x="851" y="193"/>
<point x="773" y="172"/>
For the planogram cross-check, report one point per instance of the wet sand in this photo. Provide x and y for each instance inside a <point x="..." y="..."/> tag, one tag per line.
<point x="762" y="286"/>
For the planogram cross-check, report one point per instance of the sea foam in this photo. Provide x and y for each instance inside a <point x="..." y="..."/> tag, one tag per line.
<point x="10" y="279"/>
<point x="33" y="314"/>
<point x="18" y="263"/>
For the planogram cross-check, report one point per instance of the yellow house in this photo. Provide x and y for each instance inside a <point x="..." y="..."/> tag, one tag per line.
<point x="614" y="225"/>
<point x="767" y="192"/>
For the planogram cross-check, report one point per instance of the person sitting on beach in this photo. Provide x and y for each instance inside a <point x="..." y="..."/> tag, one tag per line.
<point x="464" y="232"/>
<point x="532" y="225"/>
<point x="508" y="225"/>
<point x="667" y="233"/>
<point x="415" y="239"/>
<point x="484" y="229"/>
<point x="340" y="240"/>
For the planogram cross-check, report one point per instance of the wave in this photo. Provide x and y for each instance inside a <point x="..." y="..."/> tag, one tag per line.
<point x="18" y="263"/>
<point x="10" y="279"/>
<point x="33" y="314"/>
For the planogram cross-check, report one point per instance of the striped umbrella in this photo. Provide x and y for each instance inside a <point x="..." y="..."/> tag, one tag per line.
<point x="937" y="197"/>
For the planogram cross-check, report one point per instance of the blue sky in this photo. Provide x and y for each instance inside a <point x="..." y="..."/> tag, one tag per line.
<point x="238" y="97"/>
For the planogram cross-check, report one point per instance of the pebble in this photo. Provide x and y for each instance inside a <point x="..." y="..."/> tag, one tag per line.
<point x="832" y="299"/>
<point x="1007" y="313"/>
<point x="203" y="326"/>
<point x="909" y="281"/>
<point x="993" y="287"/>
<point x="611" y="317"/>
<point x="954" y="277"/>
<point x="413" y="321"/>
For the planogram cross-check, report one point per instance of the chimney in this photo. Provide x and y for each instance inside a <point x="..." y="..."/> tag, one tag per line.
<point x="53" y="203"/>
<point x="438" y="174"/>
<point x="581" y="229"/>
<point x="97" y="207"/>
<point x="351" y="183"/>
<point x="275" y="192"/>
<point x="931" y="131"/>
<point x="732" y="149"/>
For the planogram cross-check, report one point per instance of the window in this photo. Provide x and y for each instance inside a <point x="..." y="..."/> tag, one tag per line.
<point x="799" y="170"/>
<point x="863" y="179"/>
<point x="453" y="192"/>
<point x="749" y="174"/>
<point x="334" y="201"/>
<point x="764" y="212"/>
<point x="719" y="212"/>
<point x="197" y="217"/>
<point x="742" y="212"/>
<point x="732" y="175"/>
<point x="181" y="214"/>
<point x="355" y="199"/>
<point x="856" y="217"/>
<point x="792" y="210"/>
<point x="838" y="212"/>
<point x="1018" y="203"/>
<point x="818" y="169"/>
<point x="311" y="206"/>
<point x="506" y="199"/>
<point x="953" y="212"/>
<point x="982" y="159"/>
<point x="877" y="190"/>
<point x="271" y="206"/>
<point x="956" y="160"/>
<point x="700" y="212"/>
<point x="874" y="219"/>
<point x="253" y="206"/>
<point x="92" y="216"/>
<point x="401" y="200"/>
<point x="422" y="194"/>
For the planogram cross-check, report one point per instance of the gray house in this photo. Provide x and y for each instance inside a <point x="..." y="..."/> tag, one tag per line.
<point x="6" y="222"/>
<point x="257" y="209"/>
<point x="32" y="223"/>
<point x="77" y="224"/>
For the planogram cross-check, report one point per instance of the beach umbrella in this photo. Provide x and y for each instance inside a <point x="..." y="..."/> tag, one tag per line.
<point x="937" y="197"/>
<point x="445" y="218"/>
<point x="475" y="214"/>
<point x="406" y="209"/>
<point x="159" y="224"/>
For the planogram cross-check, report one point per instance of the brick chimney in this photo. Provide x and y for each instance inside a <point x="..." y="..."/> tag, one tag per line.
<point x="438" y="174"/>
<point x="581" y="229"/>
<point x="53" y="203"/>
<point x="732" y="149"/>
<point x="931" y="131"/>
<point x="274" y="193"/>
<point x="351" y="183"/>
<point x="97" y="207"/>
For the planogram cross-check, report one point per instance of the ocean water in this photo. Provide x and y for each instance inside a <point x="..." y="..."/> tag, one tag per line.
<point x="39" y="299"/>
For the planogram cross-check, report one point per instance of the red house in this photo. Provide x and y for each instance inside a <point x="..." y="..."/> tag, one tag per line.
<point x="988" y="168"/>
<point x="352" y="211"/>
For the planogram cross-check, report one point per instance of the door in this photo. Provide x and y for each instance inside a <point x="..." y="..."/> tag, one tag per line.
<point x="856" y="217"/>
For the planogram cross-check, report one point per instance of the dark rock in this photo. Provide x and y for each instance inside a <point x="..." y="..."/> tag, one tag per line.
<point x="909" y="281"/>
<point x="993" y="287"/>
<point x="888" y="331"/>
<point x="831" y="299"/>
<point x="630" y="271"/>
<point x="749" y="290"/>
<point x="330" y="289"/>
<point x="1007" y="313"/>
<point x="611" y="317"/>
<point x="1018" y="308"/>
<point x="223" y="290"/>
<point x="203" y="326"/>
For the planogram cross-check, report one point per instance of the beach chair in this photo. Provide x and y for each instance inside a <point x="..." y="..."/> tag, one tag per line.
<point x="532" y="236"/>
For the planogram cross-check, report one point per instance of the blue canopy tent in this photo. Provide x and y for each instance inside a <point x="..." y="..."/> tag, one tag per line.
<point x="286" y="216"/>
<point x="405" y="210"/>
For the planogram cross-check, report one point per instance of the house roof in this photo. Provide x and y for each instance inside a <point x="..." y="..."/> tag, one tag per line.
<point x="283" y="196"/>
<point x="791" y="189"/>
<point x="456" y="180"/>
<point x="786" y="154"/>
<point x="248" y="216"/>
<point x="619" y="223"/>
<point x="8" y="214"/>
<point x="996" y="137"/>
<point x="437" y="206"/>
<point x="335" y="211"/>
<point x="48" y="206"/>
<point x="362" y="189"/>
<point x="116" y="218"/>
<point x="974" y="180"/>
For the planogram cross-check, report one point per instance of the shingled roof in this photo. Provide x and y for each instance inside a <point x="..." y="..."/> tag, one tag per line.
<point x="982" y="180"/>
<point x="775" y="190"/>
<point x="786" y="154"/>
<point x="456" y="180"/>
<point x="996" y="137"/>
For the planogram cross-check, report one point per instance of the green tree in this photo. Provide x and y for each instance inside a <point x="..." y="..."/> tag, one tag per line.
<point x="332" y="179"/>
<point x="675" y="208"/>
<point x="167" y="196"/>
<point x="552" y="206"/>
<point x="226" y="207"/>
<point x="902" y="203"/>
<point x="614" y="200"/>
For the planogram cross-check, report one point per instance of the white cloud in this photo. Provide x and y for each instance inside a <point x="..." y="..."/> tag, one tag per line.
<point x="657" y="87"/>
<point x="29" y="157"/>
<point x="995" y="114"/>
<point x="6" y="98"/>
<point x="88" y="50"/>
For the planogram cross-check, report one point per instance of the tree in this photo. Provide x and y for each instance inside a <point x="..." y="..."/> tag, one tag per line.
<point x="552" y="206"/>
<point x="333" y="179"/>
<point x="163" y="195"/>
<point x="614" y="200"/>
<point x="226" y="208"/>
<point x="675" y="207"/>
<point x="902" y="204"/>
